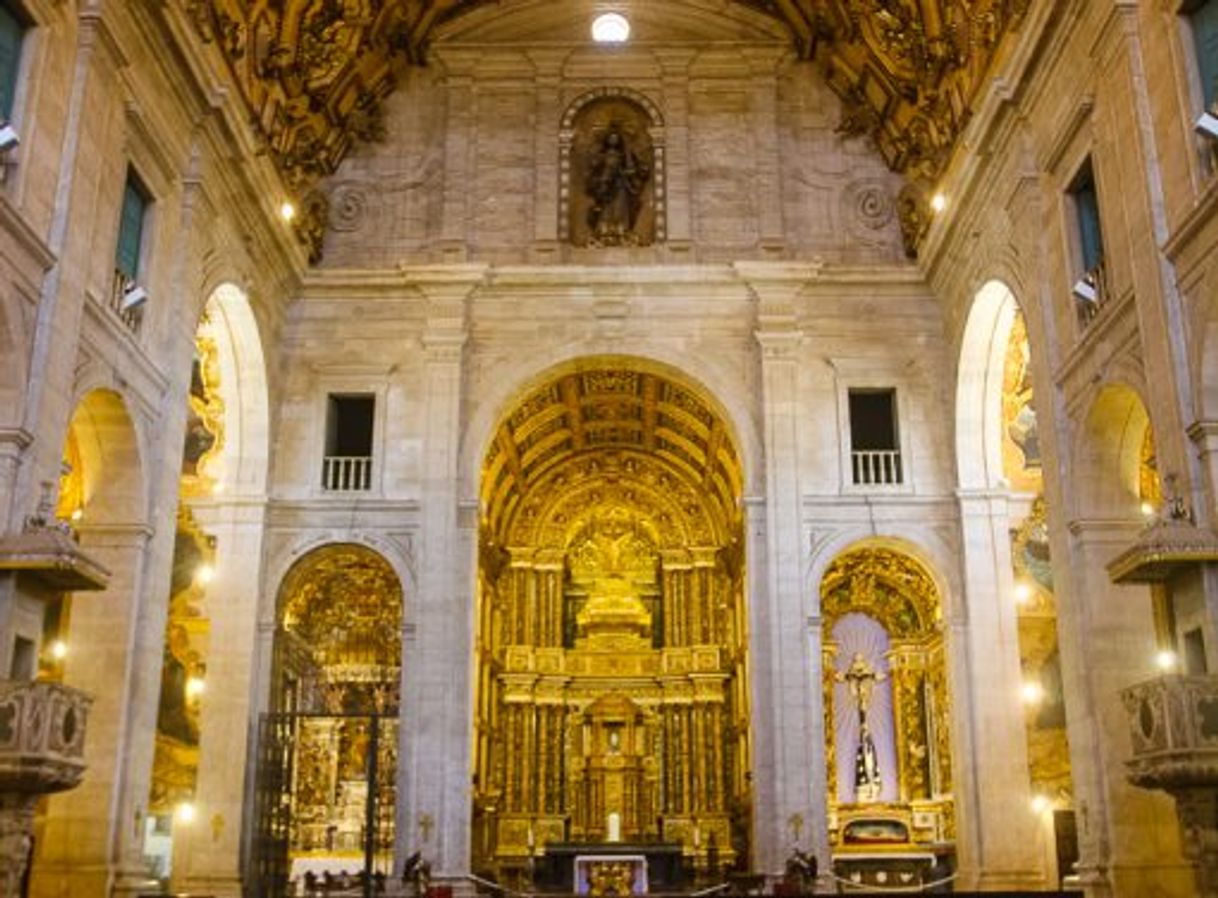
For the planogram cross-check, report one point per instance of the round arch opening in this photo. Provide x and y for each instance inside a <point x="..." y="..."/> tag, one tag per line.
<point x="612" y="686"/>
<point x="327" y="755"/>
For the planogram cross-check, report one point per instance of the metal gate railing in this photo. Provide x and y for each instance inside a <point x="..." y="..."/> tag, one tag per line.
<point x="324" y="802"/>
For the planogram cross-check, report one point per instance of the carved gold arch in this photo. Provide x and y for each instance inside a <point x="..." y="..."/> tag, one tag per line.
<point x="885" y="584"/>
<point x="611" y="579"/>
<point x="342" y="604"/>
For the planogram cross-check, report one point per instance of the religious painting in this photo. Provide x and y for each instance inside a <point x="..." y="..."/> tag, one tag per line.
<point x="612" y="176"/>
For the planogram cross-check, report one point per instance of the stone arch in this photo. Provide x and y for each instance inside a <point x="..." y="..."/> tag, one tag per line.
<point x="719" y="389"/>
<point x="1108" y="454"/>
<point x="979" y="382"/>
<point x="934" y="556"/>
<point x="281" y="563"/>
<point x="111" y="476"/>
<point x="229" y="318"/>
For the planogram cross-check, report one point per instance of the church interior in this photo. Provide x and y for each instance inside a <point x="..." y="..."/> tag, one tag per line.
<point x="608" y="447"/>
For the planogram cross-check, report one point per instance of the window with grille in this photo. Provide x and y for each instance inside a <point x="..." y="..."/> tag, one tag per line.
<point x="131" y="228"/>
<point x="874" y="448"/>
<point x="1203" y="21"/>
<point x="12" y="36"/>
<point x="350" y="420"/>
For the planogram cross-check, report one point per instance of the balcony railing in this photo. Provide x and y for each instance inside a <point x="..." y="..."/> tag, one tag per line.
<point x="877" y="468"/>
<point x="1090" y="293"/>
<point x="132" y="315"/>
<point x="346" y="474"/>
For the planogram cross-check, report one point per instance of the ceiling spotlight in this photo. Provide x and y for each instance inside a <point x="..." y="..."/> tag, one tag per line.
<point x="1166" y="660"/>
<point x="194" y="687"/>
<point x="611" y="28"/>
<point x="1040" y="804"/>
<point x="1148" y="509"/>
<point x="1207" y="125"/>
<point x="8" y="137"/>
<point x="1085" y="290"/>
<point x="59" y="650"/>
<point x="77" y="514"/>
<point x="938" y="202"/>
<point x="185" y="812"/>
<point x="287" y="211"/>
<point x="204" y="574"/>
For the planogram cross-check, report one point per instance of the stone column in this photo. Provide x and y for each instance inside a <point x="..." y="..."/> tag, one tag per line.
<point x="787" y="652"/>
<point x="434" y="770"/>
<point x="1128" y="838"/>
<point x="997" y="832"/>
<point x="207" y="853"/>
<point x="80" y="845"/>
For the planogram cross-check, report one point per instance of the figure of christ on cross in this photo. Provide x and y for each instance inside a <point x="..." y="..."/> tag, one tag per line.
<point x="860" y="678"/>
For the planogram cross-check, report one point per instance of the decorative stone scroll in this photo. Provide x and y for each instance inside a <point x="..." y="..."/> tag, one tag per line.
<point x="612" y="171"/>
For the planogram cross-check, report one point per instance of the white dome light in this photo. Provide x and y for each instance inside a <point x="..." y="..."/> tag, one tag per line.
<point x="611" y="28"/>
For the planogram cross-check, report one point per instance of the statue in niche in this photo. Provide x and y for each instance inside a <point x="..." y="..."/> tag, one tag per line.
<point x="860" y="678"/>
<point x="612" y="174"/>
<point x="617" y="179"/>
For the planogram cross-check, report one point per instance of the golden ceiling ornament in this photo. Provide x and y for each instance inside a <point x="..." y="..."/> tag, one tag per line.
<point x="345" y="602"/>
<point x="885" y="584"/>
<point x="314" y="74"/>
<point x="654" y="429"/>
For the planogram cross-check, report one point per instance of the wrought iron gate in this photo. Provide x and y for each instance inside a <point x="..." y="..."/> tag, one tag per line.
<point x="324" y="804"/>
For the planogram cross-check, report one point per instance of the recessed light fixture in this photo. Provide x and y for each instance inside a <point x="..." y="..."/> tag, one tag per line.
<point x="611" y="28"/>
<point x="938" y="202"/>
<point x="287" y="211"/>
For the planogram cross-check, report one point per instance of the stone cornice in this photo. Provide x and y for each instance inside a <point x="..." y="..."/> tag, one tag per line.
<point x="14" y="224"/>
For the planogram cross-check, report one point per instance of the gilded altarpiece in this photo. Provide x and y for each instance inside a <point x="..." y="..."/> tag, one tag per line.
<point x="915" y="807"/>
<point x="612" y="653"/>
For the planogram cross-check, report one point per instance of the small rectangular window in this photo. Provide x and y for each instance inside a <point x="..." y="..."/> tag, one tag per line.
<point x="1203" y="20"/>
<point x="1195" y="664"/>
<point x="1087" y="215"/>
<point x="131" y="227"/>
<point x="12" y="35"/>
<point x="25" y="660"/>
<point x="350" y="421"/>
<point x="874" y="447"/>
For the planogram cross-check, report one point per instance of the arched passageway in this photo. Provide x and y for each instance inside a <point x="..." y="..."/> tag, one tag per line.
<point x="612" y="700"/>
<point x="327" y="757"/>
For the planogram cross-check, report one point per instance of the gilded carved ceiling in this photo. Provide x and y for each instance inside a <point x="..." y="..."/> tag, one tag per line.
<point x="614" y="436"/>
<point x="315" y="72"/>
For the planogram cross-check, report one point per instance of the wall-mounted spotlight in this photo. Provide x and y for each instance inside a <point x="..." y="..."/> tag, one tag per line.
<point x="1207" y="125"/>
<point x="8" y="137"/>
<point x="133" y="297"/>
<point x="1086" y="290"/>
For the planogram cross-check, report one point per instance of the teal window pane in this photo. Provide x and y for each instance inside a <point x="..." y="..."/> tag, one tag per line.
<point x="1087" y="210"/>
<point x="11" y="33"/>
<point x="1204" y="20"/>
<point x="131" y="228"/>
